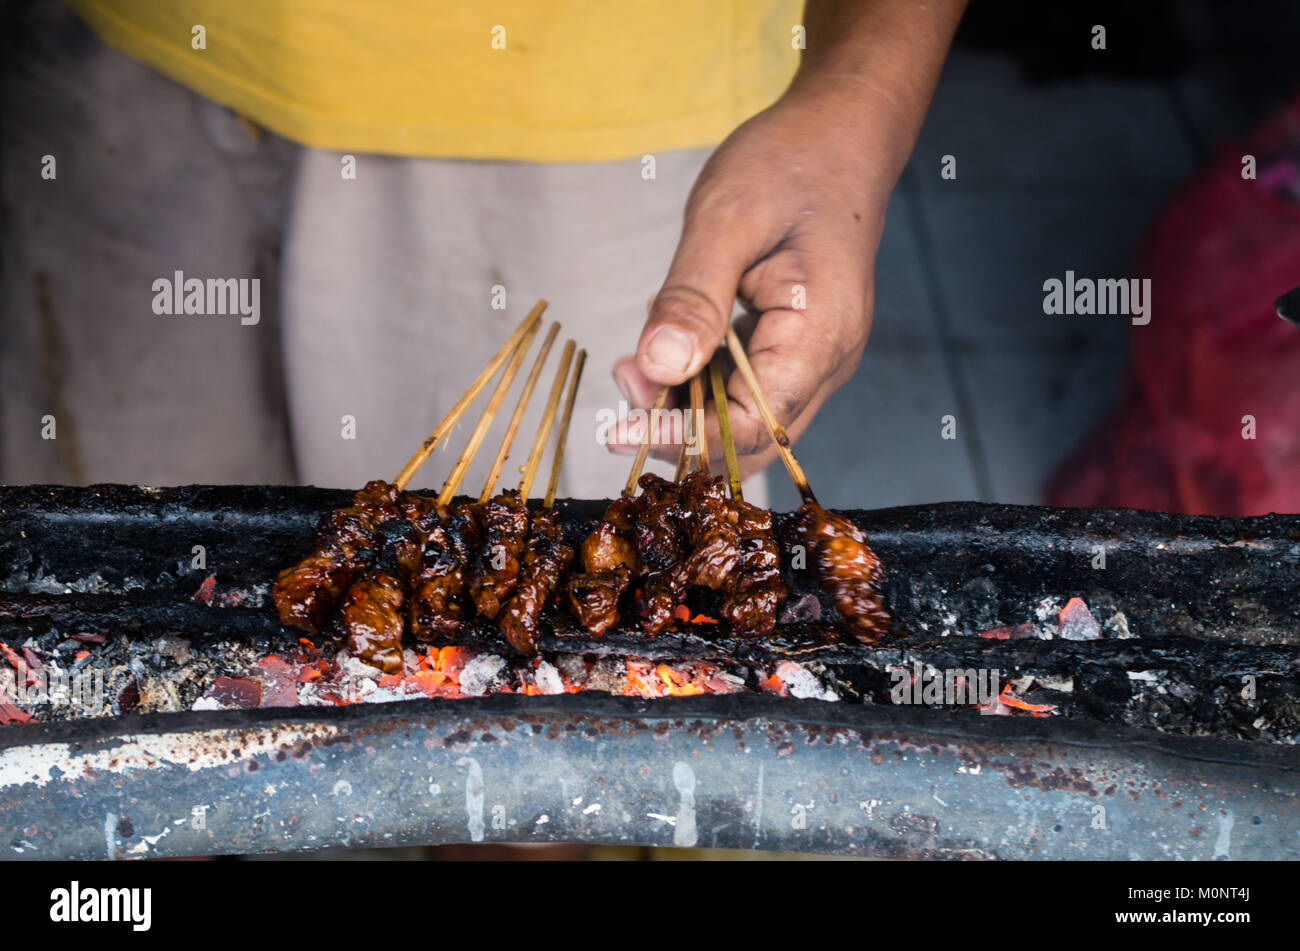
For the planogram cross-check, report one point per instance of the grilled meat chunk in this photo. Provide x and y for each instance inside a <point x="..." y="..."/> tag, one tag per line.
<point x="496" y="567"/>
<point x="439" y="602"/>
<point x="609" y="561"/>
<point x="757" y="590"/>
<point x="306" y="593"/>
<point x="847" y="568"/>
<point x="545" y="561"/>
<point x="373" y="619"/>
<point x="662" y="547"/>
<point x="372" y="611"/>
<point x="709" y="526"/>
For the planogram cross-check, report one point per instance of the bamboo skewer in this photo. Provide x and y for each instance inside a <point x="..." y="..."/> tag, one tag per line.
<point x="724" y="426"/>
<point x="562" y="437"/>
<point x="776" y="429"/>
<point x="644" y="450"/>
<point x="681" y="463"/>
<point x="485" y="421"/>
<point x="449" y="421"/>
<point x="697" y="428"/>
<point x="525" y="395"/>
<point x="548" y="420"/>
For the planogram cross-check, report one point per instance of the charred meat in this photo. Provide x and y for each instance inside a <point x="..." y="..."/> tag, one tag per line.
<point x="305" y="594"/>
<point x="758" y="591"/>
<point x="437" y="606"/>
<point x="496" y="567"/>
<point x="545" y="561"/>
<point x="847" y="568"/>
<point x="709" y="524"/>
<point x="662" y="547"/>
<point x="609" y="562"/>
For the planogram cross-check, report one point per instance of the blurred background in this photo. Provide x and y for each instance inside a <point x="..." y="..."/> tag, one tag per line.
<point x="1066" y="161"/>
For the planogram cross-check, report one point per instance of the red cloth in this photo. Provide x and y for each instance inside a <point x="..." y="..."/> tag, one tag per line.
<point x="1214" y="352"/>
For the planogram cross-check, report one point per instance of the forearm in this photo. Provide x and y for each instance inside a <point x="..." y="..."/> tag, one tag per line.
<point x="878" y="61"/>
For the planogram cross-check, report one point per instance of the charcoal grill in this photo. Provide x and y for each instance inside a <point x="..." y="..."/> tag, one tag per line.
<point x="1157" y="751"/>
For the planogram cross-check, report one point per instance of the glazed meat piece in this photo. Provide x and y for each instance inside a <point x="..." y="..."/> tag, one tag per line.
<point x="847" y="568"/>
<point x="372" y="618"/>
<point x="424" y="517"/>
<point x="496" y="566"/>
<point x="609" y="561"/>
<point x="594" y="598"/>
<point x="661" y="546"/>
<point x="613" y="542"/>
<point x="306" y="593"/>
<point x="757" y="590"/>
<point x="546" y="559"/>
<point x="709" y="525"/>
<point x="372" y="611"/>
<point x="437" y="602"/>
<point x="436" y="606"/>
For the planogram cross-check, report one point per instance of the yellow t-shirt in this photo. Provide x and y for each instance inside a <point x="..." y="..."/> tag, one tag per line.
<point x="548" y="80"/>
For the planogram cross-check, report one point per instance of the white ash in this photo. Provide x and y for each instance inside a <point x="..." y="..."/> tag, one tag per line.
<point x="356" y="667"/>
<point x="1021" y="685"/>
<point x="1117" y="626"/>
<point x="609" y="674"/>
<point x="1046" y="613"/>
<point x="1060" y="684"/>
<point x="730" y="679"/>
<point x="1079" y="625"/>
<point x="368" y="691"/>
<point x="573" y="666"/>
<point x="173" y="648"/>
<point x="478" y="675"/>
<point x="547" y="679"/>
<point x="803" y="683"/>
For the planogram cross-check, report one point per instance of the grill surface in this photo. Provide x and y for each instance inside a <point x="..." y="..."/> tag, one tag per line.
<point x="1207" y="601"/>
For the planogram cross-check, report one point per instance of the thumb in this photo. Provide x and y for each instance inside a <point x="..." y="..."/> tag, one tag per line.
<point x="689" y="316"/>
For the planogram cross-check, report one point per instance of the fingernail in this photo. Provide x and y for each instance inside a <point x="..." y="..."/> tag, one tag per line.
<point x="671" y="349"/>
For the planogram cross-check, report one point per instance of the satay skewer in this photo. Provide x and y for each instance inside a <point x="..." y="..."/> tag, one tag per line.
<point x="548" y="421"/>
<point x="724" y="426"/>
<point x="444" y="428"/>
<point x="644" y="449"/>
<point x="776" y="429"/>
<point x="525" y="395"/>
<point x="485" y="421"/>
<point x="562" y="437"/>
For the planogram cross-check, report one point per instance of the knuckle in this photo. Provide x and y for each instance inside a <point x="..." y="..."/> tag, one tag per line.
<point x="686" y="307"/>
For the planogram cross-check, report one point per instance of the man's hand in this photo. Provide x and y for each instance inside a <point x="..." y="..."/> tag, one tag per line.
<point x="787" y="215"/>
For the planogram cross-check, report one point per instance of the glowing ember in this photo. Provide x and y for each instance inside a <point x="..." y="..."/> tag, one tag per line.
<point x="9" y="713"/>
<point x="1006" y="701"/>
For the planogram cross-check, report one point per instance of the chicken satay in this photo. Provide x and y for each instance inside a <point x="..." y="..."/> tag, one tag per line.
<point x="545" y="561"/>
<point x="847" y="568"/>
<point x="307" y="592"/>
<point x="609" y="561"/>
<point x="434" y="575"/>
<point x="757" y="590"/>
<point x="436" y="606"/>
<point x="709" y="524"/>
<point x="372" y="610"/>
<point x="661" y="548"/>
<point x="438" y="603"/>
<point x="496" y="567"/>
